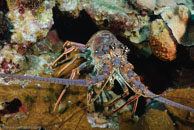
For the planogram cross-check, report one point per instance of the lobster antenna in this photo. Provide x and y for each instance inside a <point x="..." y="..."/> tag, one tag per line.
<point x="169" y="102"/>
<point x="77" y="82"/>
<point x="74" y="82"/>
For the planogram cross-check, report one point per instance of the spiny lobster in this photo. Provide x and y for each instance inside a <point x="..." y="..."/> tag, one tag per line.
<point x="108" y="57"/>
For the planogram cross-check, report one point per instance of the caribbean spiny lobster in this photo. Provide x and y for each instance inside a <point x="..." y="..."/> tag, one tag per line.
<point x="108" y="57"/>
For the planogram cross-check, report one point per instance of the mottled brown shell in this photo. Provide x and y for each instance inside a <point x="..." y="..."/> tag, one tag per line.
<point x="161" y="42"/>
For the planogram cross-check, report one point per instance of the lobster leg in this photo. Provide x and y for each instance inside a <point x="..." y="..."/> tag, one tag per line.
<point x="73" y="74"/>
<point x="123" y="84"/>
<point x="116" y="99"/>
<point x="126" y="93"/>
<point x="130" y="100"/>
<point x="74" y="46"/>
<point x="106" y="71"/>
<point x="64" y="53"/>
<point x="71" y="62"/>
<point x="69" y="43"/>
<point x="125" y="90"/>
<point x="98" y="93"/>
<point x="135" y="106"/>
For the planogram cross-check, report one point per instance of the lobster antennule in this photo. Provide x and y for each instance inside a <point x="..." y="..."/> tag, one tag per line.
<point x="170" y="102"/>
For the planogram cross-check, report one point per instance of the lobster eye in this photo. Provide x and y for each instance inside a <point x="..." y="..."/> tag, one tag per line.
<point x="112" y="47"/>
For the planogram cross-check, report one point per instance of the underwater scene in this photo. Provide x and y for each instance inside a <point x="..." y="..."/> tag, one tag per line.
<point x="96" y="64"/>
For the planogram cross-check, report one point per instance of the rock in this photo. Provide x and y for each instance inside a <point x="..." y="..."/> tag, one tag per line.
<point x="115" y="15"/>
<point x="161" y="42"/>
<point x="183" y="119"/>
<point x="10" y="60"/>
<point x="31" y="20"/>
<point x="155" y="119"/>
<point x="176" y="19"/>
<point x="148" y="4"/>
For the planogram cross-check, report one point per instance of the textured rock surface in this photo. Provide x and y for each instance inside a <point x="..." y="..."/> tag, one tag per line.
<point x="149" y="4"/>
<point x="161" y="42"/>
<point x="183" y="119"/>
<point x="155" y="119"/>
<point x="111" y="14"/>
<point x="10" y="60"/>
<point x="30" y="23"/>
<point x="176" y="19"/>
<point x="126" y="122"/>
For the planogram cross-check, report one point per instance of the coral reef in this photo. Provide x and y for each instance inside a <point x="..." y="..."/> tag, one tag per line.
<point x="71" y="6"/>
<point x="115" y="15"/>
<point x="29" y="59"/>
<point x="131" y="19"/>
<point x="149" y="5"/>
<point x="161" y="41"/>
<point x="176" y="19"/>
<point x="14" y="58"/>
<point x="176" y="14"/>
<point x="10" y="60"/>
<point x="30" y="24"/>
<point x="155" y="5"/>
<point x="178" y="30"/>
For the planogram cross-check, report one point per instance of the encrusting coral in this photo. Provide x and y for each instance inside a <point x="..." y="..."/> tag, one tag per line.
<point x="115" y="15"/>
<point x="30" y="24"/>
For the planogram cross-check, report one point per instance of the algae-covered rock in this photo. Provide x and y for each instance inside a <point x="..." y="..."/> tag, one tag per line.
<point x="176" y="19"/>
<point x="126" y="122"/>
<point x="115" y="15"/>
<point x="155" y="120"/>
<point x="161" y="42"/>
<point x="31" y="19"/>
<point x="11" y="61"/>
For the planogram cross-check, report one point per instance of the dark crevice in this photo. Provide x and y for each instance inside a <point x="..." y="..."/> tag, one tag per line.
<point x="3" y="6"/>
<point x="11" y="107"/>
<point x="5" y="24"/>
<point x="77" y="30"/>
